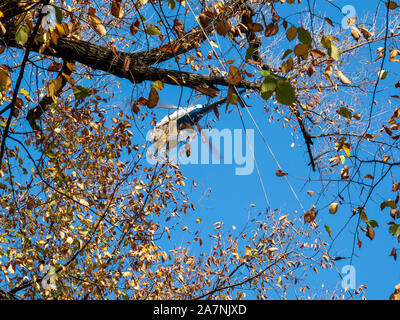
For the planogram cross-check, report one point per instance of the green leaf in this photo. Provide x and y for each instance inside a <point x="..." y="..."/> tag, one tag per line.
<point x="287" y="52"/>
<point x="264" y="73"/>
<point x="391" y="204"/>
<point x="50" y="155"/>
<point x="59" y="15"/>
<point x="326" y="43"/>
<point x="249" y="53"/>
<point x="372" y="223"/>
<point x="153" y="31"/>
<point x="333" y="52"/>
<point x="383" y="74"/>
<point x="267" y="88"/>
<point x="285" y="93"/>
<point x="363" y="216"/>
<point x="268" y="85"/>
<point x="304" y="36"/>
<point x="38" y="39"/>
<point x="266" y="94"/>
<point x="80" y="92"/>
<point x="344" y="112"/>
<point x="171" y="4"/>
<point x="328" y="229"/>
<point x="22" y="35"/>
<point x="234" y="99"/>
<point x="395" y="229"/>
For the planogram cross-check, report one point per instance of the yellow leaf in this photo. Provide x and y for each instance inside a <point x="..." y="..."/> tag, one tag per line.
<point x="53" y="86"/>
<point x="343" y="79"/>
<point x="346" y="148"/>
<point x="158" y="85"/>
<point x="333" y="207"/>
<point x="84" y="202"/>
<point x="97" y="25"/>
<point x="62" y="28"/>
<point x="5" y="80"/>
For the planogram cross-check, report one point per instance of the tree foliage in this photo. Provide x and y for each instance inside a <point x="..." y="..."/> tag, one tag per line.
<point x="77" y="193"/>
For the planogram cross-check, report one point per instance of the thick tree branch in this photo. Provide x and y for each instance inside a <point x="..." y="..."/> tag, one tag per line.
<point x="192" y="38"/>
<point x="105" y="59"/>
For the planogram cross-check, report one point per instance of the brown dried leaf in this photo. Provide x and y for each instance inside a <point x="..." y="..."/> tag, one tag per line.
<point x="279" y="173"/>
<point x="310" y="215"/>
<point x="234" y="77"/>
<point x="370" y="233"/>
<point x="153" y="98"/>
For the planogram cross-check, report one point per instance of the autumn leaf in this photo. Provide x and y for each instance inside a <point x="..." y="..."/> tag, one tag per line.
<point x="223" y="27"/>
<point x="393" y="254"/>
<point x="179" y="28"/>
<point x="271" y="29"/>
<point x="310" y="215"/>
<point x="153" y="98"/>
<point x="280" y="173"/>
<point x="116" y="9"/>
<point x="255" y="27"/>
<point x="5" y="80"/>
<point x="333" y="207"/>
<point x="304" y="36"/>
<point x="158" y="85"/>
<point x="291" y="33"/>
<point x="53" y="86"/>
<point x="97" y="24"/>
<point x="333" y="51"/>
<point x="134" y="28"/>
<point x="343" y="79"/>
<point x="382" y="74"/>
<point x="370" y="233"/>
<point x="153" y="30"/>
<point x="301" y="50"/>
<point x="366" y="34"/>
<point x="355" y="33"/>
<point x="391" y="5"/>
<point x="234" y="77"/>
<point x="344" y="173"/>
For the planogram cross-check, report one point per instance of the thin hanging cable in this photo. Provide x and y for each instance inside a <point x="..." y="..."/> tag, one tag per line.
<point x="244" y="105"/>
<point x="223" y="66"/>
<point x="241" y="101"/>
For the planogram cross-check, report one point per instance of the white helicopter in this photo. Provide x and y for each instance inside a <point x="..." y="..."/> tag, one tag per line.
<point x="179" y="126"/>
